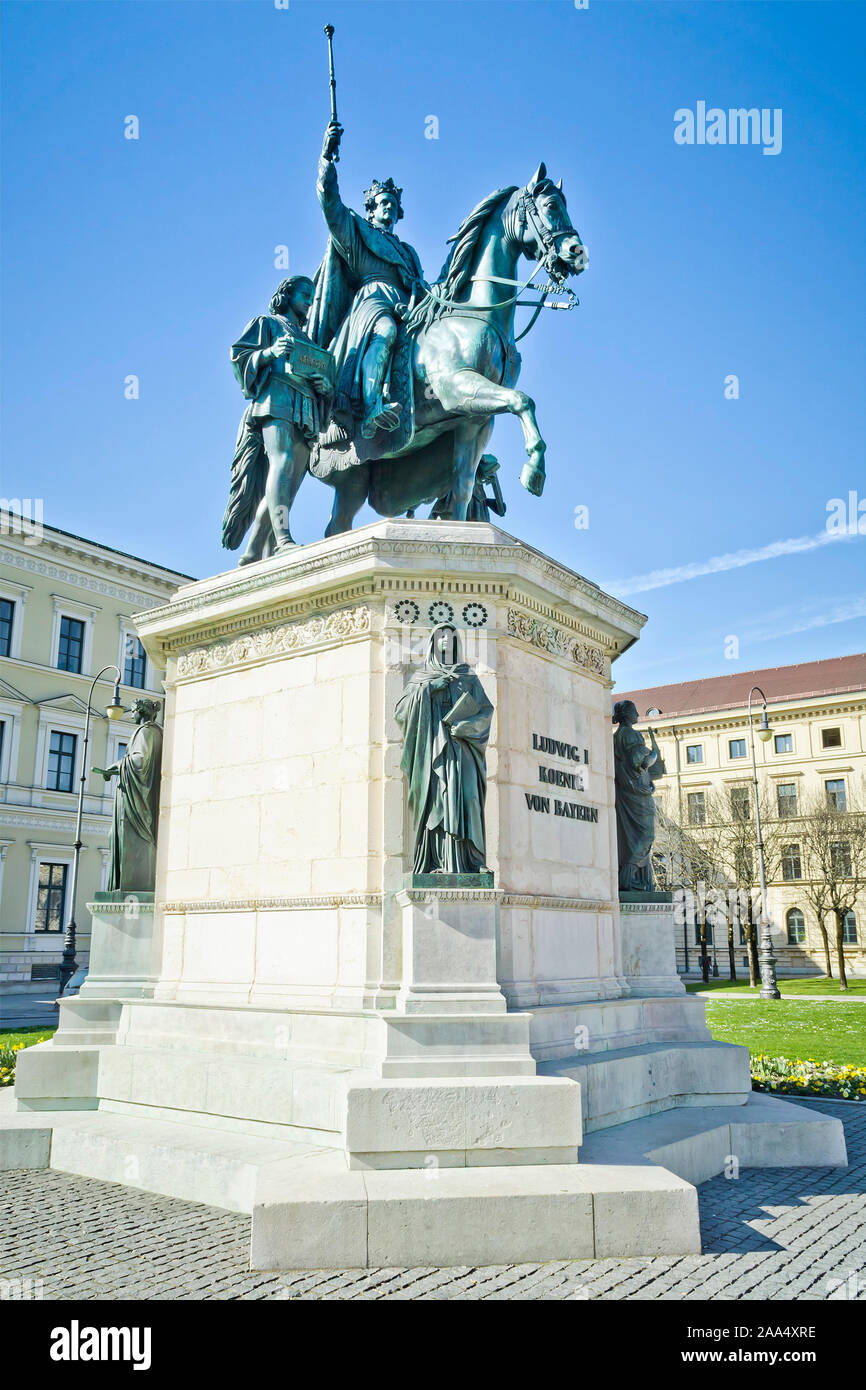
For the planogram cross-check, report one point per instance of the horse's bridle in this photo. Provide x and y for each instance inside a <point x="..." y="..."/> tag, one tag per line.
<point x="545" y="235"/>
<point x="547" y="239"/>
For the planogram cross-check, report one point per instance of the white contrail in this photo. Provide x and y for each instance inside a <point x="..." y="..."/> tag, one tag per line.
<point x="843" y="612"/>
<point x="734" y="560"/>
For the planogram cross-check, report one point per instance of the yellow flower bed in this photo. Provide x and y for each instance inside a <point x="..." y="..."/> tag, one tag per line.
<point x="9" y="1055"/>
<point x="807" y="1077"/>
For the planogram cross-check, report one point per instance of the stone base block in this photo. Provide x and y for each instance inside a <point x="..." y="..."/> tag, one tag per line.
<point x="473" y="1216"/>
<point x="48" y="1077"/>
<point x="462" y="1123"/>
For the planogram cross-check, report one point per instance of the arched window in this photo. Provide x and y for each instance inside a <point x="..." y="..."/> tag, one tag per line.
<point x="849" y="930"/>
<point x="796" y="924"/>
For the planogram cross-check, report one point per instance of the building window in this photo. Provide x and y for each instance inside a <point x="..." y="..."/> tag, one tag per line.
<point x="835" y="790"/>
<point x="61" y="761"/>
<point x="70" y="648"/>
<point x="784" y="743"/>
<point x="791" y="866"/>
<point x="696" y="803"/>
<point x="849" y="929"/>
<point x="121" y="752"/>
<point x="740" y="803"/>
<point x="840" y="859"/>
<point x="7" y="619"/>
<point x="694" y="753"/>
<point x="736" y="748"/>
<point x="786" y="799"/>
<point x="796" y="924"/>
<point x="2" y="741"/>
<point x="831" y="738"/>
<point x="134" y="662"/>
<point x="709" y="934"/>
<point x="51" y="897"/>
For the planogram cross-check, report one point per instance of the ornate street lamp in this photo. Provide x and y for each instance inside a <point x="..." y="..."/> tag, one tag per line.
<point x="115" y="710"/>
<point x="769" y="987"/>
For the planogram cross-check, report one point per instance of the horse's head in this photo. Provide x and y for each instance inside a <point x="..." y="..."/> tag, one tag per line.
<point x="546" y="231"/>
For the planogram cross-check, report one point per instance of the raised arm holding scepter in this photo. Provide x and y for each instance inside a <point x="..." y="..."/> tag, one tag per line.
<point x="364" y="287"/>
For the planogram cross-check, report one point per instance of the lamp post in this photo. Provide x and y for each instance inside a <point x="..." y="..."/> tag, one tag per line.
<point x="769" y="987"/>
<point x="115" y="710"/>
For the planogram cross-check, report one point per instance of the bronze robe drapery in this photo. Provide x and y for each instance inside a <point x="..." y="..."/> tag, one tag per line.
<point x="635" y="808"/>
<point x="443" y="760"/>
<point x="366" y="273"/>
<point x="136" y="807"/>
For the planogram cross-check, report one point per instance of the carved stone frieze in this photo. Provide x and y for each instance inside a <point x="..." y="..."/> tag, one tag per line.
<point x="275" y="641"/>
<point x="558" y="642"/>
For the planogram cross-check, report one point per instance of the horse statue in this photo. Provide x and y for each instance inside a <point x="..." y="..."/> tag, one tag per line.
<point x="455" y="364"/>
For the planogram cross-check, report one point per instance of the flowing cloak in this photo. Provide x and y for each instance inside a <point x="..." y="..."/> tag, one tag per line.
<point x="366" y="273"/>
<point x="635" y="809"/>
<point x="273" y="394"/>
<point x="445" y="767"/>
<point x="136" y="807"/>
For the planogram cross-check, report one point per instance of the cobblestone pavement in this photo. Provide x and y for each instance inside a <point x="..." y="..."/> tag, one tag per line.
<point x="774" y="1233"/>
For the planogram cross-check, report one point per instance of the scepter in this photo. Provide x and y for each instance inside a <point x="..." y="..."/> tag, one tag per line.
<point x="329" y="32"/>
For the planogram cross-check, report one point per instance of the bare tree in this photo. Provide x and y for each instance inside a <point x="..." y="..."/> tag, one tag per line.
<point x="731" y="822"/>
<point x="834" y="842"/>
<point x="683" y="863"/>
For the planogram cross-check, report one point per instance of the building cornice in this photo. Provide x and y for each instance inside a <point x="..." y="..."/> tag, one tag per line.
<point x="710" y="721"/>
<point x="139" y="588"/>
<point x="37" y="820"/>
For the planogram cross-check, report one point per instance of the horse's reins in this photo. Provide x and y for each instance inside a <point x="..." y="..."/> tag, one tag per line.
<point x="547" y="239"/>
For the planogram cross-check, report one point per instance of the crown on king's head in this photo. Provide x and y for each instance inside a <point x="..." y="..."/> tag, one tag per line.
<point x="376" y="188"/>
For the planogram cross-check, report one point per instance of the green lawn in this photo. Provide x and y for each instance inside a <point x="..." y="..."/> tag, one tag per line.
<point x="833" y="1032"/>
<point x="25" y="1036"/>
<point x="811" y="984"/>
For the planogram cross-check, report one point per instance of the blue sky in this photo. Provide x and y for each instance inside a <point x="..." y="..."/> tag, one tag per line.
<point x="147" y="257"/>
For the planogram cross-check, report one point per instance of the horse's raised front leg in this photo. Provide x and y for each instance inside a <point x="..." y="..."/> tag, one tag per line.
<point x="470" y="393"/>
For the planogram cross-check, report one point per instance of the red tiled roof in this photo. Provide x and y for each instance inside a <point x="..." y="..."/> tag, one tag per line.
<point x="808" y="678"/>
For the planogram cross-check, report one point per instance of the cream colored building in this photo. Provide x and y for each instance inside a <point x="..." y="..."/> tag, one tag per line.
<point x="65" y="612"/>
<point x="817" y="712"/>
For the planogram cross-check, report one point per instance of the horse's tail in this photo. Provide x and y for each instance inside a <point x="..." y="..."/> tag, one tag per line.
<point x="249" y="473"/>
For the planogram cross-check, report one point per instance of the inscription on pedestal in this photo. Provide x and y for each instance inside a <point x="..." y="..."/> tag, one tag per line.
<point x="559" y="777"/>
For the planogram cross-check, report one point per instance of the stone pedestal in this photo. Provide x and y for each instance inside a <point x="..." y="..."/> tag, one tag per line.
<point x="648" y="944"/>
<point x="380" y="1067"/>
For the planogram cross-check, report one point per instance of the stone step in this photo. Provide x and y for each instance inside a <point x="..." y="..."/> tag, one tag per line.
<point x="394" y="1122"/>
<point x="218" y="1167"/>
<point x="696" y="1143"/>
<point x="300" y="1101"/>
<point x="628" y="1083"/>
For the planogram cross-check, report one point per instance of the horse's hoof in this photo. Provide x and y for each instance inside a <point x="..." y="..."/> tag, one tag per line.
<point x="532" y="479"/>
